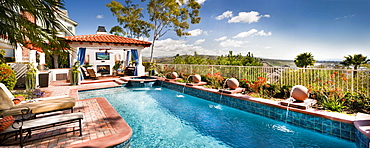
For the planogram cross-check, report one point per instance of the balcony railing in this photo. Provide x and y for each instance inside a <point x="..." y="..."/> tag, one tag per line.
<point x="316" y="78"/>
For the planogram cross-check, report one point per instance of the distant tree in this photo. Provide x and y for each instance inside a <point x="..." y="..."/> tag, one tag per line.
<point x="178" y="59"/>
<point x="210" y="61"/>
<point x="229" y="59"/>
<point x="304" y="60"/>
<point x="238" y="60"/>
<point x="164" y="16"/>
<point x="356" y="60"/>
<point x="32" y="21"/>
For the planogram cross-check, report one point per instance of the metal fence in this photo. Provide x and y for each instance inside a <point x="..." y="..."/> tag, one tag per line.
<point x="317" y="78"/>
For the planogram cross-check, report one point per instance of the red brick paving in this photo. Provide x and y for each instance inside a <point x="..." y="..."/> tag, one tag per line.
<point x="101" y="127"/>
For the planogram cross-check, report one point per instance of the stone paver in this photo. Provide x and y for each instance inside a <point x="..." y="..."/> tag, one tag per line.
<point x="95" y="123"/>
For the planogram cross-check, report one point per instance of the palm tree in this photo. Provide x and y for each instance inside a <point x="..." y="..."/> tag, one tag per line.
<point x="356" y="60"/>
<point x="304" y="60"/>
<point x="31" y="21"/>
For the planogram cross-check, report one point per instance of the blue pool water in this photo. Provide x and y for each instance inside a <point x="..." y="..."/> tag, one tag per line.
<point x="161" y="117"/>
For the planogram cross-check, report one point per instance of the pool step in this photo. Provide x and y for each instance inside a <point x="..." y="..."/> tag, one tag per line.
<point x="120" y="82"/>
<point x="126" y="79"/>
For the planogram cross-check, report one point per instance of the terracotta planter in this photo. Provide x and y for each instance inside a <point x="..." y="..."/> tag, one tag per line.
<point x="196" y="78"/>
<point x="40" y="67"/>
<point x="232" y="83"/>
<point x="299" y="93"/>
<point x="174" y="75"/>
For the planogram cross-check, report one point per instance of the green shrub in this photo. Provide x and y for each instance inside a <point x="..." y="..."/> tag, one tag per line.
<point x="269" y="90"/>
<point x="284" y="92"/>
<point x="215" y="81"/>
<point x="356" y="102"/>
<point x="9" y="59"/>
<point x="7" y="76"/>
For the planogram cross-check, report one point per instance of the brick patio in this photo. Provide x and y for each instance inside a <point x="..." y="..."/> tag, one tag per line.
<point x="102" y="126"/>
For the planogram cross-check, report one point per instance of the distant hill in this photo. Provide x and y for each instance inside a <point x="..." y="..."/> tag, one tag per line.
<point x="169" y="60"/>
<point x="272" y="62"/>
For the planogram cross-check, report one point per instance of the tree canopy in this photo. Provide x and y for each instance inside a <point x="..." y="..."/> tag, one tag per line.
<point x="355" y="60"/>
<point x="163" y="16"/>
<point x="304" y="60"/>
<point x="130" y="17"/>
<point x="230" y="59"/>
<point x="32" y="22"/>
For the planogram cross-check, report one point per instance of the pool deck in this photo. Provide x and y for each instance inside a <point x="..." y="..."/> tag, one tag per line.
<point x="102" y="126"/>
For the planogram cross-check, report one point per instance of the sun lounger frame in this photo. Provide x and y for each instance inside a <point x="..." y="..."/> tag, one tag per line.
<point x="42" y="123"/>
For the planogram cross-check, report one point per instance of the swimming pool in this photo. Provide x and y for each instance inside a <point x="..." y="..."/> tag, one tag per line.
<point x="161" y="117"/>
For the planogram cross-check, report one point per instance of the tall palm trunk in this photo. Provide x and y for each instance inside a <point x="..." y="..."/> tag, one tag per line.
<point x="55" y="60"/>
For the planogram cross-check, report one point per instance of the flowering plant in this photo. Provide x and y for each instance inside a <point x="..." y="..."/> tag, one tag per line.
<point x="7" y="76"/>
<point x="214" y="80"/>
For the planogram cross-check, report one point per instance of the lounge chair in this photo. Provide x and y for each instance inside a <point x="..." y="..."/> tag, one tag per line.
<point x="85" y="74"/>
<point x="19" y="127"/>
<point x="130" y="71"/>
<point x="92" y="73"/>
<point x="42" y="105"/>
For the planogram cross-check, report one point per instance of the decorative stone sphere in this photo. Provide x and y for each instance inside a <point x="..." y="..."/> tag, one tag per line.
<point x="174" y="75"/>
<point x="196" y="78"/>
<point x="299" y="93"/>
<point x="232" y="83"/>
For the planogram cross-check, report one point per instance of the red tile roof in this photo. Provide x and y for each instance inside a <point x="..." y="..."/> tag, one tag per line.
<point x="30" y="46"/>
<point x="106" y="38"/>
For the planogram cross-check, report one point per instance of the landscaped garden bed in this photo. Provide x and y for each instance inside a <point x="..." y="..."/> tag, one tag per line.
<point x="328" y="96"/>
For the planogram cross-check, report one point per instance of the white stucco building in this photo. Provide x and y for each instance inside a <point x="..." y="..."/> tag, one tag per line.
<point x="103" y="51"/>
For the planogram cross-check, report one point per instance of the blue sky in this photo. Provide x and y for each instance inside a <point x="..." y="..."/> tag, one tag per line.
<point x="276" y="29"/>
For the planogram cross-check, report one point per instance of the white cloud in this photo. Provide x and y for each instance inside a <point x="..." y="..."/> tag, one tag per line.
<point x="170" y="47"/>
<point x="246" y="34"/>
<point x="200" y="41"/>
<point x="221" y="38"/>
<point x="253" y="32"/>
<point x="247" y="17"/>
<point x="195" y="32"/>
<point x="232" y="43"/>
<point x="99" y="16"/>
<point x="226" y="14"/>
<point x="345" y="17"/>
<point x="201" y="1"/>
<point x="263" y="33"/>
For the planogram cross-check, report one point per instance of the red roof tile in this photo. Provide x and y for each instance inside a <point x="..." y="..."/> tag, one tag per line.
<point x="106" y="38"/>
<point x="30" y="46"/>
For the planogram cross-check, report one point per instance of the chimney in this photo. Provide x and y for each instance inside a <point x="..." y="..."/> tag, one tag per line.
<point x="101" y="30"/>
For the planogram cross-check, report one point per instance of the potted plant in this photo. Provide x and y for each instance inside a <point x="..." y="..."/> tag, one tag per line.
<point x="87" y="65"/>
<point x="31" y="77"/>
<point x="116" y="66"/>
<point x="75" y="73"/>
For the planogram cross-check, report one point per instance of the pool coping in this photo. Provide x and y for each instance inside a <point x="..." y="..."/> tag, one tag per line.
<point x="123" y="130"/>
<point x="315" y="112"/>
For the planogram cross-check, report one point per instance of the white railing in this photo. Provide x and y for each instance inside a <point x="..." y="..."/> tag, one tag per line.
<point x="347" y="79"/>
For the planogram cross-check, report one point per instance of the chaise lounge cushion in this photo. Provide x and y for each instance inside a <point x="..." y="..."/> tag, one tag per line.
<point x="43" y="106"/>
<point x="5" y="99"/>
<point x="7" y="108"/>
<point x="6" y="122"/>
